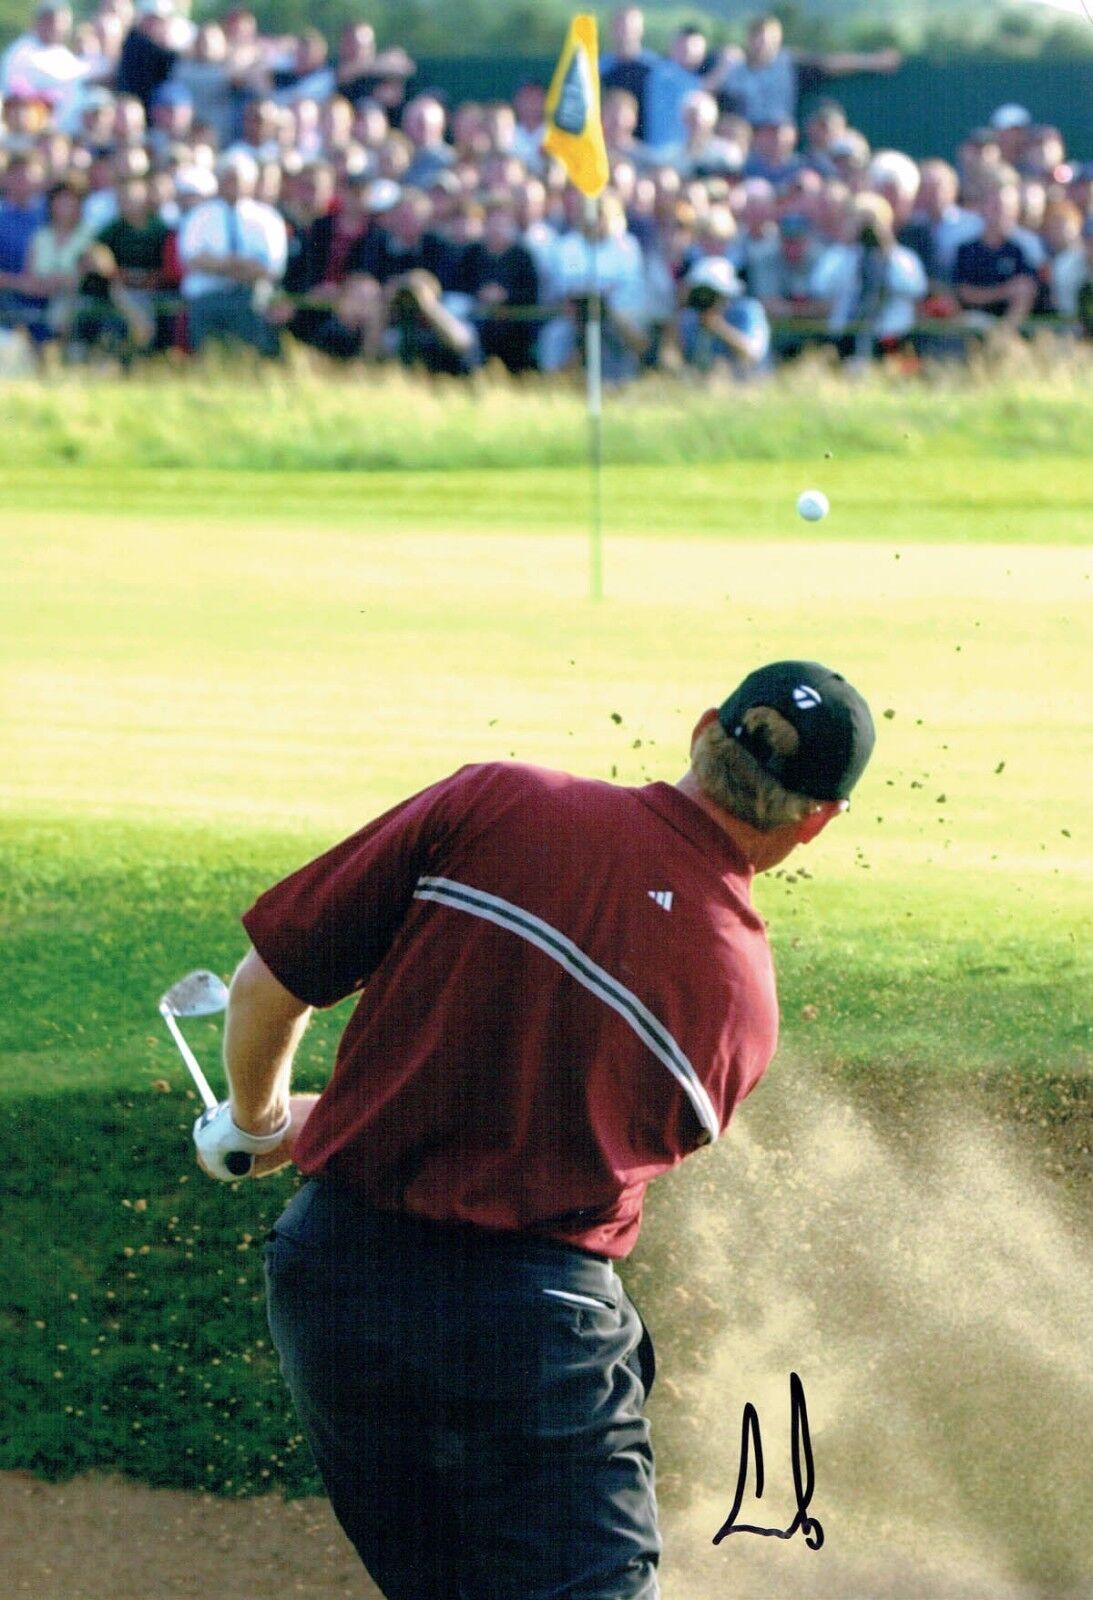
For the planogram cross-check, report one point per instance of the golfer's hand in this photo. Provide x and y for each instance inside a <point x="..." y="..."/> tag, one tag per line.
<point x="228" y="1151"/>
<point x="300" y="1108"/>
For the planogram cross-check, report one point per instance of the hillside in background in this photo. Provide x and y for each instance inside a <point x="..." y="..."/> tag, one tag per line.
<point x="940" y="28"/>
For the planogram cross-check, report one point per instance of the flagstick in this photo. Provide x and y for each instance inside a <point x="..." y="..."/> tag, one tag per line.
<point x="594" y="373"/>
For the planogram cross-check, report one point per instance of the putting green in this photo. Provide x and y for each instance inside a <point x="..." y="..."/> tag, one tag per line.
<point x="296" y="675"/>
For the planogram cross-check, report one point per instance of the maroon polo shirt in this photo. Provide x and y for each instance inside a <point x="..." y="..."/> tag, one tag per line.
<point x="564" y="990"/>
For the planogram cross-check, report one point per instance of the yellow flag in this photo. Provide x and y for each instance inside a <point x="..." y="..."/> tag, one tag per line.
<point x="574" y="130"/>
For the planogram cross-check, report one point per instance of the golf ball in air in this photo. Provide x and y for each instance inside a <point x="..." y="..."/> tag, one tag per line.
<point x="812" y="505"/>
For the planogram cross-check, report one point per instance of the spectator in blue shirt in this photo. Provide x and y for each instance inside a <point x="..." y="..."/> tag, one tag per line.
<point x="22" y="213"/>
<point x="994" y="273"/>
<point x="719" y="325"/>
<point x="764" y="82"/>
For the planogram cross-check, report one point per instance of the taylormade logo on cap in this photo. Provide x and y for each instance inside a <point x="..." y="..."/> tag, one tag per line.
<point x="830" y="730"/>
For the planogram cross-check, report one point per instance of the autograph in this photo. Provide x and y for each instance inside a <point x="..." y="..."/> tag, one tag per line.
<point x="803" y="1487"/>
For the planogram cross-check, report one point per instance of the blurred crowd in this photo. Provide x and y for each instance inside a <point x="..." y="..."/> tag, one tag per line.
<point x="167" y="185"/>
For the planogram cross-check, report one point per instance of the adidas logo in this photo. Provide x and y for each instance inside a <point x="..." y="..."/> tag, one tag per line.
<point x="663" y="898"/>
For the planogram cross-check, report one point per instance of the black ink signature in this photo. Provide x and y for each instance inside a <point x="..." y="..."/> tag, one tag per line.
<point x="803" y="1487"/>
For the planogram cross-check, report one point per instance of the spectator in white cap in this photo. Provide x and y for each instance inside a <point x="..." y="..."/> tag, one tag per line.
<point x="719" y="325"/>
<point x="1011" y="125"/>
<point x="233" y="251"/>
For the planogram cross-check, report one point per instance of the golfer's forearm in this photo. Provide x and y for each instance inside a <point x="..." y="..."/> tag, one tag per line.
<point x="265" y="1024"/>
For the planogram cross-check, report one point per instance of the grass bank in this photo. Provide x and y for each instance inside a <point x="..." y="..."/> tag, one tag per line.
<point x="295" y="418"/>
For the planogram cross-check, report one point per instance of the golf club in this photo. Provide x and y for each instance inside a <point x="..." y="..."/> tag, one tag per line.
<point x="200" y="994"/>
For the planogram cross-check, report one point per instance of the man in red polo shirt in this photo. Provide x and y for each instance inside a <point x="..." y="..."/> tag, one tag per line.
<point x="564" y="990"/>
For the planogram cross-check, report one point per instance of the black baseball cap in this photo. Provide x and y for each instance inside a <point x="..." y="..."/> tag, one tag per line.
<point x="834" y="728"/>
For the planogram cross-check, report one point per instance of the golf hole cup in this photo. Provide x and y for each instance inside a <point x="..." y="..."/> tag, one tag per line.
<point x="812" y="505"/>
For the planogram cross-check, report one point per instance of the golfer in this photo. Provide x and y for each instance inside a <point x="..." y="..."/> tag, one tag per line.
<point x="564" y="990"/>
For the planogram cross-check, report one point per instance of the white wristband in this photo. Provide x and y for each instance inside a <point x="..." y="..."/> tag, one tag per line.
<point x="258" y="1144"/>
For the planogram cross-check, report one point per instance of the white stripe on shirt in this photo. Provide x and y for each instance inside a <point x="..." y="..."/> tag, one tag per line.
<point x="649" y="1029"/>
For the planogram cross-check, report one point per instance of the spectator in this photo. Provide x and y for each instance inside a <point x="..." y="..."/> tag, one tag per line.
<point x="763" y="85"/>
<point x="105" y="318"/>
<point x="978" y="160"/>
<point x="529" y="105"/>
<point x="150" y="50"/>
<point x="895" y="177"/>
<point x="1044" y="155"/>
<point x="117" y="308"/>
<point x="850" y="156"/>
<point x="1012" y="128"/>
<point x="688" y="68"/>
<point x="825" y="125"/>
<point x="58" y="157"/>
<point x="95" y="125"/>
<point x="499" y="272"/>
<point x="620" y="118"/>
<point x="172" y="118"/>
<point x="1062" y="239"/>
<point x="608" y="256"/>
<point x="336" y="118"/>
<point x="423" y="123"/>
<point x="370" y="125"/>
<point x="101" y="205"/>
<point x="137" y="240"/>
<point x="261" y="136"/>
<point x="401" y="243"/>
<point x="945" y="224"/>
<point x="869" y="279"/>
<point x="51" y="275"/>
<point x="720" y="325"/>
<point x="629" y="65"/>
<point x="306" y="74"/>
<point x="233" y="251"/>
<point x="205" y="73"/>
<point x="759" y="240"/>
<point x="41" y="62"/>
<point x="702" y="153"/>
<point x="362" y="73"/>
<point x="22" y="213"/>
<point x="98" y="43"/>
<point x="783" y="285"/>
<point x="1072" y="280"/>
<point x="993" y="273"/>
<point x="772" y="153"/>
<point x="130" y="122"/>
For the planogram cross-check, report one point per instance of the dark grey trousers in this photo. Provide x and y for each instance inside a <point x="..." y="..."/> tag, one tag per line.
<point x="229" y="315"/>
<point x="473" y="1403"/>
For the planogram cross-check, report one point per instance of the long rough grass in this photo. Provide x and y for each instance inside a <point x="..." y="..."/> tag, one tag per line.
<point x="306" y="416"/>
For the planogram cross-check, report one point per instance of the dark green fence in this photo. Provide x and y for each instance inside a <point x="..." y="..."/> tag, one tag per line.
<point x="924" y="109"/>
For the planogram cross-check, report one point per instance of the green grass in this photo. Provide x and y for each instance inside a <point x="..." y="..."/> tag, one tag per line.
<point x="210" y="674"/>
<point x="296" y="419"/>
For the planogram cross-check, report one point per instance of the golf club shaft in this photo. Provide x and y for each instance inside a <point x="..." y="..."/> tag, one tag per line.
<point x="190" y="1059"/>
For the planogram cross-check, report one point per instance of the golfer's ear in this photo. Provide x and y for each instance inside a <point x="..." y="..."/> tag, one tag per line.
<point x="703" y="723"/>
<point x="817" y="820"/>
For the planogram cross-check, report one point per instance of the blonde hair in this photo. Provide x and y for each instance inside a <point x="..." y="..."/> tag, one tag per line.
<point x="732" y="778"/>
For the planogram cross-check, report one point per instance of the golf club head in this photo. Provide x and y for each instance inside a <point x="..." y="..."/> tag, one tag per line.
<point x="198" y="994"/>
